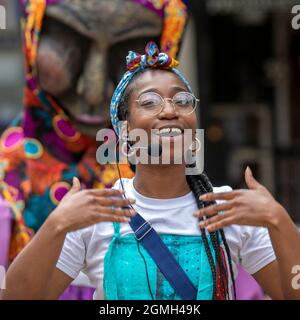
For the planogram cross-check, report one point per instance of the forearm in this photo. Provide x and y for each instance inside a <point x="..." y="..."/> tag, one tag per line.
<point x="30" y="274"/>
<point x="285" y="238"/>
<point x="34" y="275"/>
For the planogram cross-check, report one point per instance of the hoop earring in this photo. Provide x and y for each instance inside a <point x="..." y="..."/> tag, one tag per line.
<point x="195" y="146"/>
<point x="125" y="146"/>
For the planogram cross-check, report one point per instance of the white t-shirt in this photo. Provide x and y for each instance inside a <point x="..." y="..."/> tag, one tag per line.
<point x="84" y="250"/>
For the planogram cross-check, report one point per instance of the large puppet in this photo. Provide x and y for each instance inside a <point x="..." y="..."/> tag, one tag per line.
<point x="73" y="53"/>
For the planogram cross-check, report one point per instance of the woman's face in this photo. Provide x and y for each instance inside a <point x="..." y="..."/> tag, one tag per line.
<point x="166" y="84"/>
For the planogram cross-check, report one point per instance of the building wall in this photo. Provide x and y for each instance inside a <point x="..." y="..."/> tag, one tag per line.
<point x="249" y="71"/>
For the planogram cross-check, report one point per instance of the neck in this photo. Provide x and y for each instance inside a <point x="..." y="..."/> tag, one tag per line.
<point x="161" y="181"/>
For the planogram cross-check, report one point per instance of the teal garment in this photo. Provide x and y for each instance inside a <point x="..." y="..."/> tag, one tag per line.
<point x="125" y="272"/>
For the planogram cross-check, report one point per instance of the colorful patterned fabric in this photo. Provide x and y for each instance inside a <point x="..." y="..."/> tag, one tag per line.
<point x="174" y="14"/>
<point x="136" y="63"/>
<point x="41" y="151"/>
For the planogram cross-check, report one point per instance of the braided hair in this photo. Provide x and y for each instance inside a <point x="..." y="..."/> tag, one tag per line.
<point x="199" y="184"/>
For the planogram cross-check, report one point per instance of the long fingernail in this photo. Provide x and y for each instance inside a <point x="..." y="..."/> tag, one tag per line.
<point x="131" y="200"/>
<point x="249" y="170"/>
<point x="202" y="197"/>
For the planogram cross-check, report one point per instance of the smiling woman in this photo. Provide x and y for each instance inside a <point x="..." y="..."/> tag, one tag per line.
<point x="153" y="102"/>
<point x="131" y="237"/>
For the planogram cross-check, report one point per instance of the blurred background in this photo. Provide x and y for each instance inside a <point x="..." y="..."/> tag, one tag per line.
<point x="243" y="58"/>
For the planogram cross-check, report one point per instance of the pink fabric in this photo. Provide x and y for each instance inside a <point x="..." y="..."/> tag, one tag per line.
<point x="77" y="293"/>
<point x="246" y="287"/>
<point x="5" y="231"/>
<point x="71" y="293"/>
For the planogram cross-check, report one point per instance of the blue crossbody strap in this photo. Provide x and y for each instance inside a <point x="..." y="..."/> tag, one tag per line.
<point x="163" y="258"/>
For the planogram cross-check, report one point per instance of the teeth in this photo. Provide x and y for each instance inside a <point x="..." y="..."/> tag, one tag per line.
<point x="164" y="131"/>
<point x="169" y="132"/>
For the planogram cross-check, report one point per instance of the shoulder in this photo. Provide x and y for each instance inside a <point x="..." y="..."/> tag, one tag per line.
<point x="83" y="234"/>
<point x="87" y="237"/>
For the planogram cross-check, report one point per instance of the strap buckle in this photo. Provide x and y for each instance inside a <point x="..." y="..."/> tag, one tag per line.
<point x="142" y="231"/>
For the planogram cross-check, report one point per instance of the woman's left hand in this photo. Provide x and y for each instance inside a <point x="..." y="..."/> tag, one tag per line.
<point x="254" y="206"/>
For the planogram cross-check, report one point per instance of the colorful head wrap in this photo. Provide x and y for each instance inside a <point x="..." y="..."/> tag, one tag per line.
<point x="135" y="64"/>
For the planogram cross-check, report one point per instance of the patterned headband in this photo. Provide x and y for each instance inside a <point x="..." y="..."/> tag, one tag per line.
<point x="136" y="63"/>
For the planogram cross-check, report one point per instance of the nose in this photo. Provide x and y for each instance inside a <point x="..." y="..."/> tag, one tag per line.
<point x="91" y="84"/>
<point x="56" y="66"/>
<point x="168" y="110"/>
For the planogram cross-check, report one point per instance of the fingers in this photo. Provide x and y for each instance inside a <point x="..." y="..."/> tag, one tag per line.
<point x="213" y="209"/>
<point x="108" y="201"/>
<point x="114" y="214"/>
<point x="214" y="219"/>
<point x="109" y="198"/>
<point x="220" y="224"/>
<point x="117" y="202"/>
<point x="105" y="192"/>
<point x="251" y="182"/>
<point x="211" y="196"/>
<point x="76" y="186"/>
<point x="116" y="211"/>
<point x="111" y="218"/>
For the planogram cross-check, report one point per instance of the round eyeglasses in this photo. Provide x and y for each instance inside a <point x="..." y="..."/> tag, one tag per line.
<point x="182" y="102"/>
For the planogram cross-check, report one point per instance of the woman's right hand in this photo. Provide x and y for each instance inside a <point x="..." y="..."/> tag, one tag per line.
<point x="82" y="208"/>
